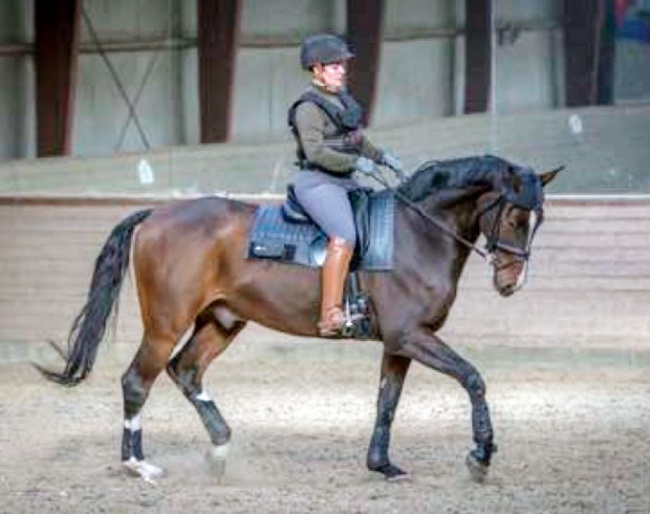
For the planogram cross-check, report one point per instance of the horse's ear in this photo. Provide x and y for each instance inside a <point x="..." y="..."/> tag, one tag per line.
<point x="547" y="176"/>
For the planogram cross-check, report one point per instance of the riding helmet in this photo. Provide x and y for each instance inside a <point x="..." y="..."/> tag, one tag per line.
<point x="323" y="49"/>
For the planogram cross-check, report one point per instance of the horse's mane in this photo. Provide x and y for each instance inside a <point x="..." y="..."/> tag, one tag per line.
<point x="486" y="172"/>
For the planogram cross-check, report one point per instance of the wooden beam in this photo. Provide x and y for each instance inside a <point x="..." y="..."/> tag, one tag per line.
<point x="583" y="21"/>
<point x="364" y="31"/>
<point x="217" y="38"/>
<point x="56" y="24"/>
<point x="478" y="55"/>
<point x="607" y="55"/>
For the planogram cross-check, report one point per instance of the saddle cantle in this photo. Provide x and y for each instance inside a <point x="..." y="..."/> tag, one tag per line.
<point x="286" y="234"/>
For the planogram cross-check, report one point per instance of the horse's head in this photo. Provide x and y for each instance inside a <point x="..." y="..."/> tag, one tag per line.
<point x="509" y="217"/>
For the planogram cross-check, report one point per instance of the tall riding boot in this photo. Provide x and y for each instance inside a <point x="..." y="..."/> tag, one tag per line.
<point x="335" y="270"/>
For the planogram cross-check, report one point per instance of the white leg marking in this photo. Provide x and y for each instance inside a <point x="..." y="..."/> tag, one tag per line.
<point x="216" y="457"/>
<point x="203" y="397"/>
<point x="141" y="468"/>
<point x="219" y="452"/>
<point x="133" y="424"/>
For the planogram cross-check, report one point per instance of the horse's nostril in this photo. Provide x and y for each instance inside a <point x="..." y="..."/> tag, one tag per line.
<point x="507" y="291"/>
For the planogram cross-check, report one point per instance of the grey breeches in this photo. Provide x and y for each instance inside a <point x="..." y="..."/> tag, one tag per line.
<point x="326" y="200"/>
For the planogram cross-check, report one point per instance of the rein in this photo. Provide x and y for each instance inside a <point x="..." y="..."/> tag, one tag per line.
<point x="486" y="255"/>
<point x="493" y="242"/>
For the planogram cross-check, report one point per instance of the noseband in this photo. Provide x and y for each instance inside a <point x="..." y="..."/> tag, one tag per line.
<point x="493" y="238"/>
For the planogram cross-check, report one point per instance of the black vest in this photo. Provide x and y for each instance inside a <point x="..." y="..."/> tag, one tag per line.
<point x="346" y="120"/>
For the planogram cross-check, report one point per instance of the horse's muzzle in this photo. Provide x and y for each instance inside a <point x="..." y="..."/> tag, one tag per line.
<point x="506" y="277"/>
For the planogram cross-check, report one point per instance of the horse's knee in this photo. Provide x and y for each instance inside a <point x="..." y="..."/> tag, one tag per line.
<point x="474" y="385"/>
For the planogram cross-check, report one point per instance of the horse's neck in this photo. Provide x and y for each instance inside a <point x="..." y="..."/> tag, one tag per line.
<point x="457" y="209"/>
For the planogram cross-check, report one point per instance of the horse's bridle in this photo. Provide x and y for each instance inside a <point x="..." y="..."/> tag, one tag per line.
<point x="493" y="242"/>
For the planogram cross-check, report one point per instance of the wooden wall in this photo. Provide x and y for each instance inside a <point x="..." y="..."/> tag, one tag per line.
<point x="589" y="282"/>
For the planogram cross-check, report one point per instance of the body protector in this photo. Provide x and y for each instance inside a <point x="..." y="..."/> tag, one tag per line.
<point x="346" y="119"/>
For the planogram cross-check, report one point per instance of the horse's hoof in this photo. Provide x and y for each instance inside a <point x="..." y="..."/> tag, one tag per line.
<point x="393" y="473"/>
<point x="477" y="469"/>
<point x="141" y="468"/>
<point x="216" y="457"/>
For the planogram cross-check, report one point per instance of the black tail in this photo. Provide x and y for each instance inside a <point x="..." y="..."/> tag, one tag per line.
<point x="89" y="326"/>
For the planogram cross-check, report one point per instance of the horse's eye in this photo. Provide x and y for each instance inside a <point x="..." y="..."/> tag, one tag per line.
<point x="516" y="221"/>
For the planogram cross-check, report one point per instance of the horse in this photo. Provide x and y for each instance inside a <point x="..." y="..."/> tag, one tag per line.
<point x="193" y="277"/>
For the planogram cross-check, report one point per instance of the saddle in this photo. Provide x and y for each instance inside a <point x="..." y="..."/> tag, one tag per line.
<point x="285" y="233"/>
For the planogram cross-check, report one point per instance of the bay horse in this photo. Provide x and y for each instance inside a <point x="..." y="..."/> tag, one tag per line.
<point x="192" y="276"/>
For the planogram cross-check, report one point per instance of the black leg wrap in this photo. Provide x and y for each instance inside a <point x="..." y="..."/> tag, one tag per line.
<point x="132" y="444"/>
<point x="377" y="459"/>
<point x="214" y="423"/>
<point x="474" y="385"/>
<point x="481" y="424"/>
<point x="378" y="451"/>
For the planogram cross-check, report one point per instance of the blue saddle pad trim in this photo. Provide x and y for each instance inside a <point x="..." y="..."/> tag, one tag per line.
<point x="273" y="237"/>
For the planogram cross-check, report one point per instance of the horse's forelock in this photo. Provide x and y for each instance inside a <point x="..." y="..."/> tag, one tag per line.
<point x="529" y="193"/>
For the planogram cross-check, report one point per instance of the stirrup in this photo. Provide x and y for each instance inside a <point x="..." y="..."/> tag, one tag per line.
<point x="327" y="328"/>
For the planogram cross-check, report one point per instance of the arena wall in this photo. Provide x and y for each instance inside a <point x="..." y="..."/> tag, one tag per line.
<point x="605" y="151"/>
<point x="588" y="284"/>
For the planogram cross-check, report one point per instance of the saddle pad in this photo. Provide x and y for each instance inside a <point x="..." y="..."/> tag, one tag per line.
<point x="273" y="237"/>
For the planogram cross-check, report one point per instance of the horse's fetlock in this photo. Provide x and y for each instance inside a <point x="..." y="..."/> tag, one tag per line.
<point x="376" y="459"/>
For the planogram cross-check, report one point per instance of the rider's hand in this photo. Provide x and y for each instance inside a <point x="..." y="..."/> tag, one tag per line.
<point x="392" y="161"/>
<point x="364" y="165"/>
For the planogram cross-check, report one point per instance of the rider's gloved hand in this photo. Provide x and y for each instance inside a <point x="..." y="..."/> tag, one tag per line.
<point x="364" y="165"/>
<point x="392" y="161"/>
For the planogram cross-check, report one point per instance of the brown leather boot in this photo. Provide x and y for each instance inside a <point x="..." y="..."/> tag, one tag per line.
<point x="335" y="270"/>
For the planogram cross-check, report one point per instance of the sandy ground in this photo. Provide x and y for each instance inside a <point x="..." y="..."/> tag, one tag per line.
<point x="573" y="436"/>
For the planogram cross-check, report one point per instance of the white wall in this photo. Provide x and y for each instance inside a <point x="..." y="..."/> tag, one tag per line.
<point x="150" y="80"/>
<point x="419" y="78"/>
<point x="416" y="76"/>
<point x="632" y="72"/>
<point x="16" y="84"/>
<point x="527" y="70"/>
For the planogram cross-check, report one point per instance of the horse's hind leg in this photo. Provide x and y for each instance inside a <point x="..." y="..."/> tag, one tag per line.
<point x="186" y="369"/>
<point x="149" y="361"/>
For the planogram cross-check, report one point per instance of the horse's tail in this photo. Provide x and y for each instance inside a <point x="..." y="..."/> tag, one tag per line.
<point x="89" y="326"/>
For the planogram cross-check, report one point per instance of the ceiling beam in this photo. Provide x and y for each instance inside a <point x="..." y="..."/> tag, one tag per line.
<point x="364" y="31"/>
<point x="478" y="55"/>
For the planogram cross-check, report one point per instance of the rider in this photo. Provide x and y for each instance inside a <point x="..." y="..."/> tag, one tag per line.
<point x="326" y="123"/>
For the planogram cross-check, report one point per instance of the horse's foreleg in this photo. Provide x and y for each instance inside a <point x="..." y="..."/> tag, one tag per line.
<point x="186" y="369"/>
<point x="431" y="351"/>
<point x="148" y="362"/>
<point x="393" y="373"/>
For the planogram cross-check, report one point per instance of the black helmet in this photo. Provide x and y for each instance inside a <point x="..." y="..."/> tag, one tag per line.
<point x="323" y="49"/>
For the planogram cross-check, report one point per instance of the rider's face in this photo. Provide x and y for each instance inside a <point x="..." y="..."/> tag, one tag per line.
<point x="331" y="75"/>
